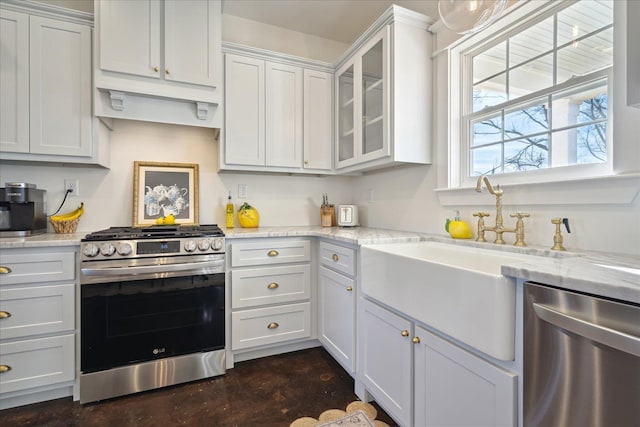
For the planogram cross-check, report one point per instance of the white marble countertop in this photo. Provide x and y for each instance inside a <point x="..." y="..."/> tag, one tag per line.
<point x="570" y="270"/>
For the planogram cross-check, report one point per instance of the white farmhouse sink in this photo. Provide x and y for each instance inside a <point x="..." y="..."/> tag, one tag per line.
<point x="454" y="289"/>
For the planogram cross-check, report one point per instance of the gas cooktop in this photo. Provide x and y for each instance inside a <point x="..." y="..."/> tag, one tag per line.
<point x="155" y="232"/>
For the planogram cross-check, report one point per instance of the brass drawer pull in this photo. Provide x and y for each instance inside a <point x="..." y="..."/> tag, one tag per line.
<point x="272" y="325"/>
<point x="335" y="257"/>
<point x="4" y="368"/>
<point x="404" y="333"/>
<point x="273" y="285"/>
<point x="349" y="288"/>
<point x="156" y="69"/>
<point x="4" y="314"/>
<point x="4" y="270"/>
<point x="273" y="252"/>
<point x="416" y="340"/>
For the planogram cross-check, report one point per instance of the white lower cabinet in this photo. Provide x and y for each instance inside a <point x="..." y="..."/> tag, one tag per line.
<point x="422" y="380"/>
<point x="271" y="298"/>
<point x="37" y="324"/>
<point x="337" y="303"/>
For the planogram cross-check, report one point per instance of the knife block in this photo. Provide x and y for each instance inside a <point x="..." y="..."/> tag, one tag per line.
<point x="327" y="216"/>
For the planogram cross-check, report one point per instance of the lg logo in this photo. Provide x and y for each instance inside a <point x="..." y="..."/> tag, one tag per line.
<point x="158" y="350"/>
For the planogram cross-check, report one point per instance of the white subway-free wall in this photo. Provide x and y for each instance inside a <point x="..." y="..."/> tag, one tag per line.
<point x="108" y="194"/>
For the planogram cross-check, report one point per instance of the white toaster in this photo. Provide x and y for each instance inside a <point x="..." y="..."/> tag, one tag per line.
<point x="348" y="215"/>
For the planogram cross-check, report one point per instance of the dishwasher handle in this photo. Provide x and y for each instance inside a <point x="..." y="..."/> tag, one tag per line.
<point x="601" y="334"/>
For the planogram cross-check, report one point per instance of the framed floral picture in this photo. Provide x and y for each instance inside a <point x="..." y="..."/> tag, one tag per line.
<point x="163" y="189"/>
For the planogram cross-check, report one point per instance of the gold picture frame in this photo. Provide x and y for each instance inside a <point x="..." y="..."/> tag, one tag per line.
<point x="160" y="189"/>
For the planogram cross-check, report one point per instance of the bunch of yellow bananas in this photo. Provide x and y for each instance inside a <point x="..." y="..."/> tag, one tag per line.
<point x="69" y="216"/>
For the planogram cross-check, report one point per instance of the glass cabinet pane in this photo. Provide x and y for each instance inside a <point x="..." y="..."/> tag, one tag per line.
<point x="372" y="90"/>
<point x="346" y="141"/>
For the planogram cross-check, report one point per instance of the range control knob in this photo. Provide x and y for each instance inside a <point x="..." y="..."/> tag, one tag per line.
<point x="217" y="244"/>
<point x="203" y="245"/>
<point x="107" y="249"/>
<point x="90" y="250"/>
<point x="190" y="246"/>
<point x="124" y="249"/>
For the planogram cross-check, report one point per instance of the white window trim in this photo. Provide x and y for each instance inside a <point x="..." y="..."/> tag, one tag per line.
<point x="591" y="185"/>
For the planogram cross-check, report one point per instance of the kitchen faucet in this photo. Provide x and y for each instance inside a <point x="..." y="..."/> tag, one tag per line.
<point x="499" y="228"/>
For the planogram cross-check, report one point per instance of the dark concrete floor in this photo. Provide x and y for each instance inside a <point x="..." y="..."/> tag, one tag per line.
<point x="271" y="391"/>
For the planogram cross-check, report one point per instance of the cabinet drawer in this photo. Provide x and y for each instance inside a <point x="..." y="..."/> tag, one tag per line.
<point x="269" y="252"/>
<point x="338" y="258"/>
<point x="270" y="325"/>
<point x="271" y="285"/>
<point x="37" y="310"/>
<point x="36" y="363"/>
<point x="34" y="267"/>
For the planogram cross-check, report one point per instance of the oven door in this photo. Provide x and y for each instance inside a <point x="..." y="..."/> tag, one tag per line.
<point x="127" y="322"/>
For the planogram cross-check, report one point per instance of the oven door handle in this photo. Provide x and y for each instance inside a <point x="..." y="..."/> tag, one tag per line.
<point x="146" y="269"/>
<point x="601" y="334"/>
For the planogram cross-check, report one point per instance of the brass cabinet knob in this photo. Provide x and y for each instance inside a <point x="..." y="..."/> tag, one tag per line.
<point x="349" y="288"/>
<point x="272" y="285"/>
<point x="404" y="333"/>
<point x="416" y="340"/>
<point x="156" y="69"/>
<point x="4" y="314"/>
<point x="272" y="325"/>
<point x="273" y="253"/>
<point x="335" y="257"/>
<point x="306" y="162"/>
<point x="4" y="368"/>
<point x="167" y="72"/>
<point x="4" y="269"/>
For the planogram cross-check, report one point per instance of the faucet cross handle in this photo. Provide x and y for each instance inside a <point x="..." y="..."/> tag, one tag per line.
<point x="520" y="215"/>
<point x="481" y="214"/>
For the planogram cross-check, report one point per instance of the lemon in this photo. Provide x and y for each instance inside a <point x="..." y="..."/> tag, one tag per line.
<point x="170" y="219"/>
<point x="160" y="221"/>
<point x="458" y="229"/>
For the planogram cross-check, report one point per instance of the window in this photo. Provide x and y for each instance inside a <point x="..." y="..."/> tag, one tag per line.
<point x="537" y="97"/>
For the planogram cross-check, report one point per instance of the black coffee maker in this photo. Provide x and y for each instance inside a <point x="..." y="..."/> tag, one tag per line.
<point x="22" y="210"/>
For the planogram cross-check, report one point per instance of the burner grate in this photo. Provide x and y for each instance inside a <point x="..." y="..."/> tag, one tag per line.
<point x="155" y="232"/>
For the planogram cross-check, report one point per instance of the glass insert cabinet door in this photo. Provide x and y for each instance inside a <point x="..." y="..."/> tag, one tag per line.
<point x="372" y="101"/>
<point x="346" y="115"/>
<point x="362" y="106"/>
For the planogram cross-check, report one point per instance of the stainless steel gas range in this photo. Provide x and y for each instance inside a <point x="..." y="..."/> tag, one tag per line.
<point x="152" y="308"/>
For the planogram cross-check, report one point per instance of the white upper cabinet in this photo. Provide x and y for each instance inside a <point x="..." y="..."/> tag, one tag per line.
<point x="278" y="115"/>
<point x="45" y="84"/>
<point x="159" y="61"/>
<point x="383" y="102"/>
<point x="244" y="116"/>
<point x="14" y="82"/>
<point x="283" y="109"/>
<point x="318" y="120"/>
<point x="129" y="35"/>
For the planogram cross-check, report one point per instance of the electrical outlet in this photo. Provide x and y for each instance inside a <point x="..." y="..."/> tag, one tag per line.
<point x="242" y="191"/>
<point x="72" y="184"/>
<point x="370" y="195"/>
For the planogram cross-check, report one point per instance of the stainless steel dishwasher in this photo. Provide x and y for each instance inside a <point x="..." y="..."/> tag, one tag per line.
<point x="581" y="359"/>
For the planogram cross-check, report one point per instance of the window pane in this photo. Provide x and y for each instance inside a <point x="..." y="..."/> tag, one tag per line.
<point x="526" y="121"/>
<point x="581" y="105"/>
<point x="581" y="145"/>
<point x="585" y="56"/>
<point x="490" y="63"/>
<point x="486" y="160"/>
<point x="487" y="131"/>
<point x="531" y="77"/>
<point x="583" y="18"/>
<point x="531" y="42"/>
<point x="526" y="154"/>
<point x="372" y="90"/>
<point x="490" y="92"/>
